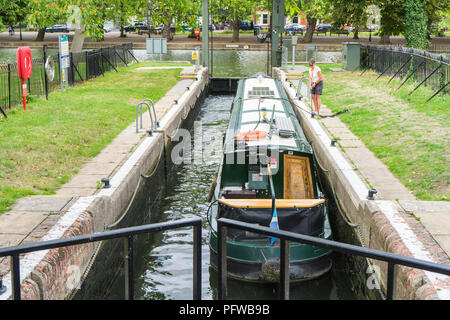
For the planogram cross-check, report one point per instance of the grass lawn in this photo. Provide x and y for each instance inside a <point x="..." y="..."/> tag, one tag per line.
<point x="410" y="136"/>
<point x="43" y="147"/>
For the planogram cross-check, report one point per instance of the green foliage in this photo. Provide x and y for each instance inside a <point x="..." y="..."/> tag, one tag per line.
<point x="12" y="12"/>
<point x="392" y="17"/>
<point x="415" y="24"/>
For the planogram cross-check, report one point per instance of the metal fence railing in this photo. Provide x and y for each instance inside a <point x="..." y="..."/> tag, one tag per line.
<point x="422" y="67"/>
<point x="223" y="224"/>
<point x="83" y="66"/>
<point x="128" y="234"/>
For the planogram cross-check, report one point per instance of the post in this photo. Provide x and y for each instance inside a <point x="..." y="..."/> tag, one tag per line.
<point x="45" y="73"/>
<point x="197" y="265"/>
<point x="205" y="29"/>
<point x="277" y="31"/>
<point x="129" y="275"/>
<point x="221" y="261"/>
<point x="390" y="281"/>
<point x="284" y="269"/>
<point x="294" y="43"/>
<point x="15" y="277"/>
<point x="9" y="86"/>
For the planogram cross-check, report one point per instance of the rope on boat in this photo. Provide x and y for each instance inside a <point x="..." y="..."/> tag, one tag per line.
<point x="357" y="227"/>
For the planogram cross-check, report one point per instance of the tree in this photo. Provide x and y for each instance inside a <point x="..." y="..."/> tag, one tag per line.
<point x="237" y="10"/>
<point x="166" y="12"/>
<point x="314" y="10"/>
<point x="415" y="24"/>
<point x="392" y="18"/>
<point x="348" y="13"/>
<point x="12" y="12"/>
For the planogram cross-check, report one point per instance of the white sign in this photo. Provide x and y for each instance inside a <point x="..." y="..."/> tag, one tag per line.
<point x="64" y="51"/>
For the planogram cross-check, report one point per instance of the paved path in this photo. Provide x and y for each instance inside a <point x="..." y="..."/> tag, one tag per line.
<point x="434" y="215"/>
<point x="31" y="217"/>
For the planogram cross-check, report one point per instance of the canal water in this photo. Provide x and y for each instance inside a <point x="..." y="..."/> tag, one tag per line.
<point x="163" y="261"/>
<point x="226" y="63"/>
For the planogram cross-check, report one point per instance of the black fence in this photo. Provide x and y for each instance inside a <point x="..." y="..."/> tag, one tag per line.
<point x="83" y="66"/>
<point x="393" y="260"/>
<point x="128" y="235"/>
<point x="424" y="68"/>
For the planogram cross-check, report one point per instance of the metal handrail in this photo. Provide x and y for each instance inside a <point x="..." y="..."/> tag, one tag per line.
<point x="154" y="112"/>
<point x="126" y="233"/>
<point x="286" y="236"/>
<point x="154" y="123"/>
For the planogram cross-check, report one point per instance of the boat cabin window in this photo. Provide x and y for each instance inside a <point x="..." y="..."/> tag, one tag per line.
<point x="260" y="92"/>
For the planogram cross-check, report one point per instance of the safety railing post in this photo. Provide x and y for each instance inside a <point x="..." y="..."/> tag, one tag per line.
<point x="284" y="269"/>
<point x="390" y="281"/>
<point x="221" y="261"/>
<point x="129" y="274"/>
<point x="197" y="265"/>
<point x="9" y="86"/>
<point x="15" y="277"/>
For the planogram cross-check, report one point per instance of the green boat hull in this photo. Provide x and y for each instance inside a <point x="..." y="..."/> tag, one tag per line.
<point x="256" y="261"/>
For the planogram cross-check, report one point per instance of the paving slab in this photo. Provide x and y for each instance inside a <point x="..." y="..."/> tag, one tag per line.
<point x="41" y="203"/>
<point x="21" y="222"/>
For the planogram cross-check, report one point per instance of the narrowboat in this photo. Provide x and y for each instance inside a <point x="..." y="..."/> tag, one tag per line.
<point x="266" y="156"/>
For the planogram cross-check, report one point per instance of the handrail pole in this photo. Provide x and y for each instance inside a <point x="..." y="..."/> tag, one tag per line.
<point x="197" y="264"/>
<point x="129" y="274"/>
<point x="284" y="269"/>
<point x="390" y="281"/>
<point x="221" y="261"/>
<point x="15" y="277"/>
<point x="154" y="112"/>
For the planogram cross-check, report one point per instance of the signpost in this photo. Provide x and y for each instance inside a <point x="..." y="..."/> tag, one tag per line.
<point x="64" y="61"/>
<point x="196" y="56"/>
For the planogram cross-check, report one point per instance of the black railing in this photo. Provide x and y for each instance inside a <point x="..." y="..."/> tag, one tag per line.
<point x="128" y="235"/>
<point x="425" y="68"/>
<point x="83" y="66"/>
<point x="285" y="237"/>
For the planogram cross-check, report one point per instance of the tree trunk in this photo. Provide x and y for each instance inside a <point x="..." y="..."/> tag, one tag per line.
<point x="235" y="24"/>
<point x="310" y="29"/>
<point x="122" y="32"/>
<point x="166" y="33"/>
<point x="77" y="45"/>
<point x="385" y="39"/>
<point x="41" y="34"/>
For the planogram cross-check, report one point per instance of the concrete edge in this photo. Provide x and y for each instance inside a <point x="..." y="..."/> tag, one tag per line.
<point x="53" y="274"/>
<point x="382" y="222"/>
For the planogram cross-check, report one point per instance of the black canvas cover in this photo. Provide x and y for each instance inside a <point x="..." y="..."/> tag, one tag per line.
<point x="308" y="221"/>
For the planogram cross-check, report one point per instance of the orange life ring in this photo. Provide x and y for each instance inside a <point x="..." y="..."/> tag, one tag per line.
<point x="251" y="135"/>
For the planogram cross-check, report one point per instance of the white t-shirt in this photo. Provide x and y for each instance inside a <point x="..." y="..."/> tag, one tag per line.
<point x="314" y="74"/>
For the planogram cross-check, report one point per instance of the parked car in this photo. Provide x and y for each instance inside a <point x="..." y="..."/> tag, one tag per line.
<point x="437" y="29"/>
<point x="294" y="28"/>
<point x="57" y="28"/>
<point x="107" y="29"/>
<point x="342" y="30"/>
<point x="323" y="28"/>
<point x="248" y="25"/>
<point x="158" y="30"/>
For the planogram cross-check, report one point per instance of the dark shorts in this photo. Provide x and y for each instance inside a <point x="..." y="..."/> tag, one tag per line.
<point x="318" y="88"/>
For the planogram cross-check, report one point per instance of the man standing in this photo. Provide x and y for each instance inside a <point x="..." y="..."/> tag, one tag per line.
<point x="316" y="83"/>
